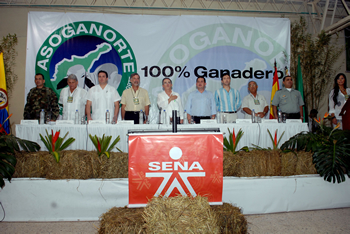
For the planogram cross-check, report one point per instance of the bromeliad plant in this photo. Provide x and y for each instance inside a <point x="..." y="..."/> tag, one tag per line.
<point x="275" y="141"/>
<point x="330" y="147"/>
<point x="54" y="143"/>
<point x="102" y="144"/>
<point x="231" y="144"/>
<point x="8" y="145"/>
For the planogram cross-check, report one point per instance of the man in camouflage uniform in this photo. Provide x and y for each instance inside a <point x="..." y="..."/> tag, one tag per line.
<point x="41" y="97"/>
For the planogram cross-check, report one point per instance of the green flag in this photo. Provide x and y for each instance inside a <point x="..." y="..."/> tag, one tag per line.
<point x="300" y="86"/>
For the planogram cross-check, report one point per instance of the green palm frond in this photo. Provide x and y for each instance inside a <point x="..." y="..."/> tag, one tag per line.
<point x="331" y="151"/>
<point x="8" y="145"/>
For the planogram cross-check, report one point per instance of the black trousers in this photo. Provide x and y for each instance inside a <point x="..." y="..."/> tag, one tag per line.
<point x="197" y="119"/>
<point x="133" y="115"/>
<point x="293" y="115"/>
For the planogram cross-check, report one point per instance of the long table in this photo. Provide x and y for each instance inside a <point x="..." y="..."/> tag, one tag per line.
<point x="254" y="134"/>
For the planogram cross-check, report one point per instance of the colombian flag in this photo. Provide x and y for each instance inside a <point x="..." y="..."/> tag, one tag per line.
<point x="4" y="111"/>
<point x="275" y="87"/>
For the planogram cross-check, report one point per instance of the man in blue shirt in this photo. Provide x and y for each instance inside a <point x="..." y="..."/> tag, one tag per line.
<point x="227" y="100"/>
<point x="200" y="103"/>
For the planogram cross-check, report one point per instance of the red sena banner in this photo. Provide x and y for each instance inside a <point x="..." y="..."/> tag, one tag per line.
<point x="172" y="164"/>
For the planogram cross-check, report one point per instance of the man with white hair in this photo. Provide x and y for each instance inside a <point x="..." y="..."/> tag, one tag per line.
<point x="72" y="98"/>
<point x="254" y="101"/>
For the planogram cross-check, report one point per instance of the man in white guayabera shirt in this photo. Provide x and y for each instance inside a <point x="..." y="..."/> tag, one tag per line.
<point x="72" y="98"/>
<point x="102" y="97"/>
<point x="254" y="101"/>
<point x="169" y="100"/>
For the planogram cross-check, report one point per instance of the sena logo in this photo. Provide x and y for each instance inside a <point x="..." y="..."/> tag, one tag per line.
<point x="164" y="169"/>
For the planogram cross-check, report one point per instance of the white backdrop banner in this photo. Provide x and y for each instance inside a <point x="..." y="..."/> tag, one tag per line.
<point x="178" y="47"/>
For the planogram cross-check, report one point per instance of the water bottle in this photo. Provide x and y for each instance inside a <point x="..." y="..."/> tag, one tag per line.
<point x="76" y="117"/>
<point x="83" y="120"/>
<point x="218" y="117"/>
<point x="253" y="116"/>
<point x="108" y="117"/>
<point x="185" y="118"/>
<point x="42" y="116"/>
<point x="279" y="116"/>
<point x="141" y="117"/>
<point x="160" y="115"/>
<point x="164" y="118"/>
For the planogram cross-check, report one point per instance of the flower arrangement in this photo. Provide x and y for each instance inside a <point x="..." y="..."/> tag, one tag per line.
<point x="275" y="141"/>
<point x="54" y="143"/>
<point x="231" y="144"/>
<point x="101" y="144"/>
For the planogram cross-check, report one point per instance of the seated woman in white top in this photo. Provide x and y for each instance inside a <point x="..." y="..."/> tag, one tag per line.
<point x="169" y="100"/>
<point x="337" y="97"/>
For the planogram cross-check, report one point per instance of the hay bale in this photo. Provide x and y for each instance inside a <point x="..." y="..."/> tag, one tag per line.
<point x="116" y="166"/>
<point x="122" y="220"/>
<point x="231" y="163"/>
<point x="288" y="163"/>
<point x="81" y="164"/>
<point x="74" y="164"/>
<point x="180" y="215"/>
<point x="30" y="164"/>
<point x="253" y="163"/>
<point x="273" y="162"/>
<point x="298" y="163"/>
<point x="304" y="164"/>
<point x="260" y="163"/>
<point x="230" y="219"/>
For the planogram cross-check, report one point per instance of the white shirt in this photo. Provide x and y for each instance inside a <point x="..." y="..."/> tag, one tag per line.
<point x="78" y="103"/>
<point x="250" y="102"/>
<point x="162" y="101"/>
<point x="102" y="100"/>
<point x="341" y="101"/>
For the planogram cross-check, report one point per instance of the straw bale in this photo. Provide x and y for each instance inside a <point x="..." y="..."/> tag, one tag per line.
<point x="122" y="220"/>
<point x="180" y="215"/>
<point x="305" y="164"/>
<point x="288" y="163"/>
<point x="273" y="162"/>
<point x="30" y="165"/>
<point x="231" y="163"/>
<point x="116" y="166"/>
<point x="299" y="163"/>
<point x="81" y="164"/>
<point x="74" y="164"/>
<point x="253" y="163"/>
<point x="230" y="219"/>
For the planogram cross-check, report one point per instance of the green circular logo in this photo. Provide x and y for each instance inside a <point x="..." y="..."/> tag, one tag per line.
<point x="84" y="48"/>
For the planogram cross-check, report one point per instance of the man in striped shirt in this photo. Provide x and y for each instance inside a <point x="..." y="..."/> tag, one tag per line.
<point x="227" y="100"/>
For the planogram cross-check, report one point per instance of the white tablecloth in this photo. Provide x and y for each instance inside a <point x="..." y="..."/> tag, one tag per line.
<point x="253" y="133"/>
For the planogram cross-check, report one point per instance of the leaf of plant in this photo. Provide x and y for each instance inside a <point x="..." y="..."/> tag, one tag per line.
<point x="94" y="141"/>
<point x="47" y="145"/>
<point x="67" y="143"/>
<point x="9" y="158"/>
<point x="114" y="143"/>
<point x="105" y="144"/>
